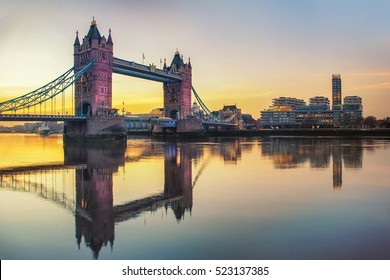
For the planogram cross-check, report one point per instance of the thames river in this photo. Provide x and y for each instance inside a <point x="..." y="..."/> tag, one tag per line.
<point x="213" y="198"/>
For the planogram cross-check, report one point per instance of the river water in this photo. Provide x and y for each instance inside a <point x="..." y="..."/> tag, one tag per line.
<point x="215" y="198"/>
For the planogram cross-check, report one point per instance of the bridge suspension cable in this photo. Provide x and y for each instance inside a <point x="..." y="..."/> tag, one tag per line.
<point x="203" y="106"/>
<point x="46" y="92"/>
<point x="208" y="112"/>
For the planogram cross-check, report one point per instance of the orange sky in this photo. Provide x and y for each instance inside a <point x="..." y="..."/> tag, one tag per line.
<point x="244" y="54"/>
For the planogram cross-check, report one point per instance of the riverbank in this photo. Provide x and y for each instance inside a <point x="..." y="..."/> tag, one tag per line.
<point x="323" y="132"/>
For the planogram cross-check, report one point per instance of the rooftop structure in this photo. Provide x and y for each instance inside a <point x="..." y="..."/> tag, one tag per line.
<point x="319" y="102"/>
<point x="294" y="103"/>
<point x="231" y="113"/>
<point x="352" y="100"/>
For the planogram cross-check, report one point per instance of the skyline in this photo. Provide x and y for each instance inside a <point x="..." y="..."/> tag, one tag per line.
<point x="241" y="54"/>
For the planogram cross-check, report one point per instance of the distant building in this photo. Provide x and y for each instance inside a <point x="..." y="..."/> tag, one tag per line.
<point x="196" y="111"/>
<point x="352" y="111"/>
<point x="292" y="102"/>
<point x="336" y="98"/>
<point x="386" y="122"/>
<point x="18" y="128"/>
<point x="278" y="117"/>
<point x="288" y="112"/>
<point x="282" y="112"/>
<point x="155" y="113"/>
<point x="31" y="127"/>
<point x="55" y="127"/>
<point x="314" y="116"/>
<point x="336" y="92"/>
<point x="248" y="121"/>
<point x="233" y="114"/>
<point x="319" y="102"/>
<point x="5" y="128"/>
<point x="353" y="100"/>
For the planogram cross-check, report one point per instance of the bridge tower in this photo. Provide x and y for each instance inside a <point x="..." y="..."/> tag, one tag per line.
<point x="177" y="95"/>
<point x="178" y="177"/>
<point x="94" y="190"/>
<point x="93" y="92"/>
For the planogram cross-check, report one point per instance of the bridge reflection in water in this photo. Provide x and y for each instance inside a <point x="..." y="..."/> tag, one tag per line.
<point x="96" y="215"/>
<point x="89" y="194"/>
<point x="84" y="182"/>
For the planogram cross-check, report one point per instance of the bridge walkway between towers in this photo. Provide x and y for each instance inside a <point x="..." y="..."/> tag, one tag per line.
<point x="133" y="69"/>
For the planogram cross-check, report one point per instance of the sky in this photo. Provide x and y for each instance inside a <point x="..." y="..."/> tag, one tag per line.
<point x="242" y="52"/>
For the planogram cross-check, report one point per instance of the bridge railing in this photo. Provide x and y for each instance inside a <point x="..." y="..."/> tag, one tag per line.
<point x="44" y="93"/>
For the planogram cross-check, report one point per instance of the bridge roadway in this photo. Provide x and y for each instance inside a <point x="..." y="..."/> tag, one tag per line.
<point x="61" y="118"/>
<point x="43" y="118"/>
<point x="132" y="209"/>
<point x="218" y="124"/>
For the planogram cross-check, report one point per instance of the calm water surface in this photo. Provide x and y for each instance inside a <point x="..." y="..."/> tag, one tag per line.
<point x="220" y="198"/>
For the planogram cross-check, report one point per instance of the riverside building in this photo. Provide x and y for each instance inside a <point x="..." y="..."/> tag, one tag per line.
<point x="282" y="113"/>
<point x="336" y="97"/>
<point x="352" y="111"/>
<point x="289" y="112"/>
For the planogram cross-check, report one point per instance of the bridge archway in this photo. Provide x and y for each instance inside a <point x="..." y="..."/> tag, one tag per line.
<point x="85" y="110"/>
<point x="174" y="114"/>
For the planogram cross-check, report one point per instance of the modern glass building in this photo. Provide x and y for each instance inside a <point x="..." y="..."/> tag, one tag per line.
<point x="352" y="111"/>
<point x="336" y="92"/>
<point x="320" y="102"/>
<point x="282" y="112"/>
<point x="289" y="112"/>
<point x="292" y="102"/>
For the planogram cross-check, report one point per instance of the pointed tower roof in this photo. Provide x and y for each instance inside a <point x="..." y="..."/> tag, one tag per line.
<point x="93" y="32"/>
<point x="76" y="41"/>
<point x="177" y="60"/>
<point x="165" y="64"/>
<point x="109" y="40"/>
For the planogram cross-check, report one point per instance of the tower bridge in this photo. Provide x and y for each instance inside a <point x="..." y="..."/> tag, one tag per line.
<point x="91" y="77"/>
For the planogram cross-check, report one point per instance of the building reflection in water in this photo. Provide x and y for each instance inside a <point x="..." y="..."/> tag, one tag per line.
<point x="319" y="152"/>
<point x="178" y="177"/>
<point x="96" y="214"/>
<point x="96" y="163"/>
<point x="94" y="190"/>
<point x="230" y="149"/>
